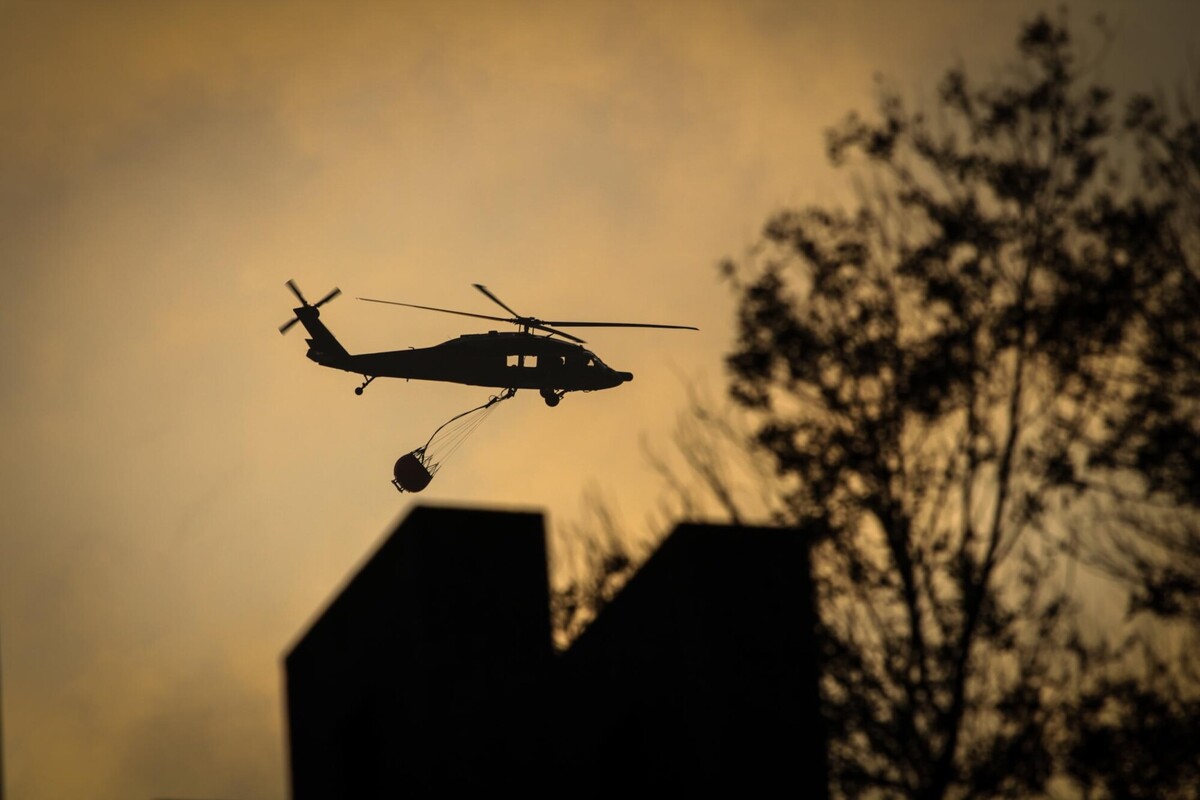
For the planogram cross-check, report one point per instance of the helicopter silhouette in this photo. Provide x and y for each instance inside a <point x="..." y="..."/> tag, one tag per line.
<point x="509" y="360"/>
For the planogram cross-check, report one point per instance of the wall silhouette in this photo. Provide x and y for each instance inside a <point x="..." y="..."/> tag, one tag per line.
<point x="432" y="671"/>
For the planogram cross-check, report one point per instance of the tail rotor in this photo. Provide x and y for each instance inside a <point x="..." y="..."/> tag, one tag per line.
<point x="285" y="327"/>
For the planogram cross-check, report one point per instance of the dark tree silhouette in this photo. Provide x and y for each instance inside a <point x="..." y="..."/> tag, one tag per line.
<point x="981" y="375"/>
<point x="1138" y="720"/>
<point x="994" y="343"/>
<point x="600" y="559"/>
<point x="1156" y="435"/>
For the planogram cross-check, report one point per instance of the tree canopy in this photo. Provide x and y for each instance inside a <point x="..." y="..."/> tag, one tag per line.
<point x="976" y="381"/>
<point x="987" y="363"/>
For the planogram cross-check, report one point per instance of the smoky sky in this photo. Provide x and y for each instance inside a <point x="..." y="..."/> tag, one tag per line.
<point x="183" y="489"/>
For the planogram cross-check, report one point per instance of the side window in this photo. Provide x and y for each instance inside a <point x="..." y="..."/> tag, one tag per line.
<point x="511" y="361"/>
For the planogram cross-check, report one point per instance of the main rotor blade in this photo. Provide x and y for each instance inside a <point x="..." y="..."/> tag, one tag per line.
<point x="443" y="310"/>
<point x="548" y="329"/>
<point x="291" y="284"/>
<point x="496" y="300"/>
<point x="565" y="324"/>
<point x="336" y="291"/>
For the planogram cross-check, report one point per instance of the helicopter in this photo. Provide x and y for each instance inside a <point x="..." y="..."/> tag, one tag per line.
<point x="506" y="360"/>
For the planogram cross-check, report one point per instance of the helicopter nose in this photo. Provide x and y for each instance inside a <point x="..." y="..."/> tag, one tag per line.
<point x="625" y="376"/>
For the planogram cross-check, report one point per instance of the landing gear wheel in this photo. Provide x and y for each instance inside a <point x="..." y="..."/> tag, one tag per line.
<point x="552" y="397"/>
<point x="358" y="390"/>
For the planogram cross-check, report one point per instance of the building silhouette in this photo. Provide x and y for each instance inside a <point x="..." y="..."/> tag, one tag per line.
<point x="432" y="671"/>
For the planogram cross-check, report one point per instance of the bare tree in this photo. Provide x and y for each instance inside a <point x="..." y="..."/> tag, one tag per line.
<point x="593" y="557"/>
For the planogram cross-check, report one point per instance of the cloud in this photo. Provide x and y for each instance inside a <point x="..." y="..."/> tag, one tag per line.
<point x="182" y="488"/>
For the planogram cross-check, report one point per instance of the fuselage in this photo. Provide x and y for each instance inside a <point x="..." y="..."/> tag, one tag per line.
<point x="501" y="360"/>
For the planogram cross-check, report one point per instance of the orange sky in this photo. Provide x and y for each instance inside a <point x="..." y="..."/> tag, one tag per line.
<point x="183" y="489"/>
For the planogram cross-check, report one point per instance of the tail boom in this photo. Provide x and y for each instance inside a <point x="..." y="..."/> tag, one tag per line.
<point x="323" y="346"/>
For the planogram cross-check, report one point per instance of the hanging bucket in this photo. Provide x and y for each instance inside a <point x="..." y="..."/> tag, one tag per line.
<point x="411" y="474"/>
<point x="415" y="470"/>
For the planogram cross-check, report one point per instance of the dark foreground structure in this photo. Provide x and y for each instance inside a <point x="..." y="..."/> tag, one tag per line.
<point x="433" y="672"/>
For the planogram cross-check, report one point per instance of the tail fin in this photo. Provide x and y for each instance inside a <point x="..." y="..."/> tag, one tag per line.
<point x="323" y="348"/>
